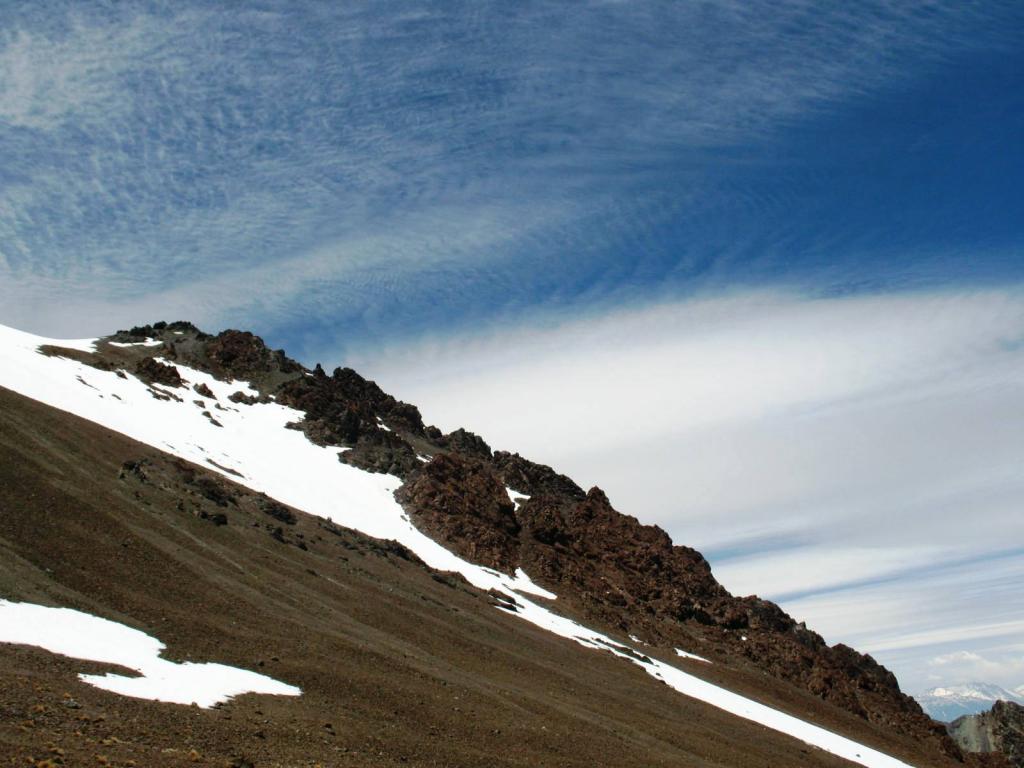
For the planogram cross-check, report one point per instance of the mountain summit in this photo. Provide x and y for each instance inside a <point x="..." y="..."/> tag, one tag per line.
<point x="225" y="500"/>
<point x="949" y="702"/>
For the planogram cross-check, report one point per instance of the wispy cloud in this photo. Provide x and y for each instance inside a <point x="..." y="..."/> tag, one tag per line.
<point x="48" y="79"/>
<point x="956" y="622"/>
<point x="968" y="666"/>
<point x="149" y="147"/>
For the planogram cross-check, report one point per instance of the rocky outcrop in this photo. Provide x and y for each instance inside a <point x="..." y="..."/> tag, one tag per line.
<point x="533" y="479"/>
<point x="457" y="499"/>
<point x="466" y="443"/>
<point x="631" y="577"/>
<point x="240" y="354"/>
<point x="233" y="355"/>
<point x="998" y="732"/>
<point x="378" y="450"/>
<point x="159" y="330"/>
<point x="152" y="371"/>
<point x="346" y="409"/>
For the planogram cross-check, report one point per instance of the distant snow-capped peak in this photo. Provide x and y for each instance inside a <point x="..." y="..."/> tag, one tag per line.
<point x="949" y="702"/>
<point x="984" y="691"/>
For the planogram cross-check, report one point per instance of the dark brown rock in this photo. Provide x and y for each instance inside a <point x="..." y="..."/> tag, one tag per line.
<point x="530" y="478"/>
<point x="458" y="500"/>
<point x="346" y="409"/>
<point x="152" y="371"/>
<point x="381" y="451"/>
<point x="465" y="442"/>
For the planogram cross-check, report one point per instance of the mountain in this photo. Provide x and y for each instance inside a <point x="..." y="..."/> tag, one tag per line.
<point x="950" y="702"/>
<point x="197" y="518"/>
<point x="999" y="730"/>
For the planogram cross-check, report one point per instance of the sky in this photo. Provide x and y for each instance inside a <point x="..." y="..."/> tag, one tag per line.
<point x="755" y="268"/>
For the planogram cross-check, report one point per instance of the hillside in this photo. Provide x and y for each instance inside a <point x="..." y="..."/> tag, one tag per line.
<point x="230" y="538"/>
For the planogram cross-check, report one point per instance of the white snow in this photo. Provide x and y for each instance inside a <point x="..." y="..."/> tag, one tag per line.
<point x="146" y="343"/>
<point x="516" y="497"/>
<point x="283" y="464"/>
<point x="979" y="691"/>
<point x="693" y="656"/>
<point x="81" y="345"/>
<point x="81" y="636"/>
<point x="522" y="583"/>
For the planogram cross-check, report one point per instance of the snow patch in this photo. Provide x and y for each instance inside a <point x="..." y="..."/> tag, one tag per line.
<point x="694" y="656"/>
<point x="523" y="583"/>
<point x="80" y="345"/>
<point x="516" y="497"/>
<point x="82" y="636"/>
<point x="146" y="343"/>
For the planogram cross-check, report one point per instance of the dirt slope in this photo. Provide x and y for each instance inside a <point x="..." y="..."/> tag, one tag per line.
<point x="399" y="665"/>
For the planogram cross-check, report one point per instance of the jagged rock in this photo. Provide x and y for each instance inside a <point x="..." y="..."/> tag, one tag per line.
<point x="205" y="391"/>
<point x="465" y="442"/>
<point x="998" y="732"/>
<point x="243" y="355"/>
<point x="344" y="406"/>
<point x="156" y="331"/>
<point x="380" y="451"/>
<point x="533" y="479"/>
<point x="152" y="371"/>
<point x="458" y="500"/>
<point x="631" y="577"/>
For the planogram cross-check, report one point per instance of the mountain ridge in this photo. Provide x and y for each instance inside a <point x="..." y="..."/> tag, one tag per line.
<point x="552" y="531"/>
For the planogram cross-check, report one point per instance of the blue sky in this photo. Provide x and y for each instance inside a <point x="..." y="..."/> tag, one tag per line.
<point x="439" y="189"/>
